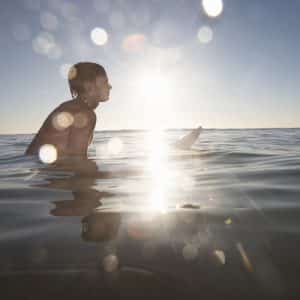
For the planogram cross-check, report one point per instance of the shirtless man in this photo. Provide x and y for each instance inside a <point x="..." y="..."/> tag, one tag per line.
<point x="69" y="128"/>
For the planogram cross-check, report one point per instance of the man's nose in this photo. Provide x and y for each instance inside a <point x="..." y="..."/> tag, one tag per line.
<point x="110" y="86"/>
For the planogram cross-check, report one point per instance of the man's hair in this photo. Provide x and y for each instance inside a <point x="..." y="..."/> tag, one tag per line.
<point x="82" y="72"/>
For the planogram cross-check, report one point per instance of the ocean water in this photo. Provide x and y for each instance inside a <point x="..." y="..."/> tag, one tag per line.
<point x="142" y="219"/>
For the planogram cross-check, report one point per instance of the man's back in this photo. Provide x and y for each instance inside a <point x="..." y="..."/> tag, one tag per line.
<point x="68" y="128"/>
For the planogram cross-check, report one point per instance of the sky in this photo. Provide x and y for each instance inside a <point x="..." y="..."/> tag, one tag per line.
<point x="171" y="64"/>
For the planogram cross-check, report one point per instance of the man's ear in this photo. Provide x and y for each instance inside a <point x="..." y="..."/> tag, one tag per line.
<point x="87" y="85"/>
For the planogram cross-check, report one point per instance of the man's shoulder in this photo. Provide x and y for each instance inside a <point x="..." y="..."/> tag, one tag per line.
<point x="70" y="114"/>
<point x="70" y="105"/>
<point x="79" y="112"/>
<point x="75" y="107"/>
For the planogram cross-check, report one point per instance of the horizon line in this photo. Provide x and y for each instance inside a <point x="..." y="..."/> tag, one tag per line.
<point x="173" y="128"/>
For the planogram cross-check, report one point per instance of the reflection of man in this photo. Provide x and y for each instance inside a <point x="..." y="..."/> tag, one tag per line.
<point x="101" y="227"/>
<point x="69" y="128"/>
<point x="81" y="182"/>
<point x="79" y="179"/>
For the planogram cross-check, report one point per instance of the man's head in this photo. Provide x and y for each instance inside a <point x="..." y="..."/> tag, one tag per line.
<point x="89" y="82"/>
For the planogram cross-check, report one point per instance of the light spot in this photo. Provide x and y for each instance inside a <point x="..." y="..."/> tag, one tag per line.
<point x="67" y="71"/>
<point x="228" y="221"/>
<point x="55" y="52"/>
<point x="72" y="73"/>
<point x="62" y="120"/>
<point x="43" y="43"/>
<point x="48" y="154"/>
<point x="134" y="43"/>
<point x="48" y="21"/>
<point x="205" y="34"/>
<point x="213" y="8"/>
<point x="80" y="120"/>
<point x="110" y="263"/>
<point x="64" y="70"/>
<point x="245" y="259"/>
<point x="99" y="36"/>
<point x="220" y="255"/>
<point x="190" y="252"/>
<point x="114" y="146"/>
<point x="21" y="32"/>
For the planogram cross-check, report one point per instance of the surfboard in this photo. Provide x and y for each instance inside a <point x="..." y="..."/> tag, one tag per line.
<point x="188" y="140"/>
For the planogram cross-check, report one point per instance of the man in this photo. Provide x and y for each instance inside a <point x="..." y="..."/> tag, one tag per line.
<point x="69" y="128"/>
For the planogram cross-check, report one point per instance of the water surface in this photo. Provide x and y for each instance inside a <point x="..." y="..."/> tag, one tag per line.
<point x="140" y="218"/>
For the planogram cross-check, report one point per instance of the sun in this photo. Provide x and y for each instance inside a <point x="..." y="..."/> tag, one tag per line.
<point x="154" y="84"/>
<point x="155" y="90"/>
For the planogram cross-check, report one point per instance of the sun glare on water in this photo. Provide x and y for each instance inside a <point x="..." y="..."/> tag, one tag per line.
<point x="155" y="88"/>
<point x="157" y="166"/>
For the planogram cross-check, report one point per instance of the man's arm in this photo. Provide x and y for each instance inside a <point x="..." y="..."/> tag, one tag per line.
<point x="47" y="134"/>
<point x="80" y="136"/>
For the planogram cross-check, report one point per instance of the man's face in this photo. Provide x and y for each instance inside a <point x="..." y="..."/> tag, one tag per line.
<point x="98" y="90"/>
<point x="103" y="88"/>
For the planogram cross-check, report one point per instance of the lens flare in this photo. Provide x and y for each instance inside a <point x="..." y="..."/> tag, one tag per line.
<point x="62" y="120"/>
<point x="72" y="73"/>
<point x="134" y="43"/>
<point x="99" y="36"/>
<point x="64" y="70"/>
<point x="48" y="154"/>
<point x="245" y="258"/>
<point x="190" y="252"/>
<point x="205" y="34"/>
<point x="44" y="43"/>
<point x="220" y="255"/>
<point x="228" y="221"/>
<point x="67" y="71"/>
<point x="110" y="263"/>
<point x="213" y="8"/>
<point x="55" y="52"/>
